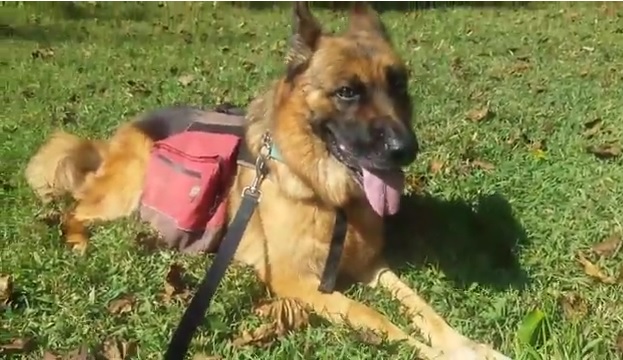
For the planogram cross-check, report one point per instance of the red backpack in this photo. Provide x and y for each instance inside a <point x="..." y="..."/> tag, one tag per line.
<point x="188" y="178"/>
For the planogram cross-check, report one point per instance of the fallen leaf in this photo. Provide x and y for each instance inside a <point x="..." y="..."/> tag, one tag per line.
<point x="262" y="336"/>
<point x="186" y="79"/>
<point x="605" y="151"/>
<point x="457" y="66"/>
<point x="6" y="289"/>
<point x="481" y="164"/>
<point x="80" y="353"/>
<point x="592" y="127"/>
<point x="50" y="356"/>
<point x="114" y="349"/>
<point x="478" y="114"/>
<point x="609" y="247"/>
<point x="537" y="145"/>
<point x="50" y="217"/>
<point x="206" y="357"/>
<point x="138" y="88"/>
<point x="43" y="54"/>
<point x="148" y="241"/>
<point x="286" y="315"/>
<point x="415" y="183"/>
<point x="593" y="270"/>
<point x="174" y="285"/>
<point x="619" y="342"/>
<point x="17" y="345"/>
<point x="573" y="306"/>
<point x="435" y="166"/>
<point x="519" y="67"/>
<point x="369" y="337"/>
<point x="122" y="305"/>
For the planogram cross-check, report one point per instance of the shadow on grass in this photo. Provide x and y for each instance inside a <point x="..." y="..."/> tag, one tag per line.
<point x="470" y="244"/>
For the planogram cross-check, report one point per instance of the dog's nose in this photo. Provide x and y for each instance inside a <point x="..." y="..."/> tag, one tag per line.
<point x="402" y="149"/>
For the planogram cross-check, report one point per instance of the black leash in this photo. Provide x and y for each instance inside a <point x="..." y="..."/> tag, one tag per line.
<point x="194" y="314"/>
<point x="200" y="302"/>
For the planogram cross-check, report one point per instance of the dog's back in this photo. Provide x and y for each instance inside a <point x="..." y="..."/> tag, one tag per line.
<point x="61" y="165"/>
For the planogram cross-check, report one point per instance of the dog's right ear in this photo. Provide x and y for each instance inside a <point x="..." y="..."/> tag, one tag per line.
<point x="306" y="34"/>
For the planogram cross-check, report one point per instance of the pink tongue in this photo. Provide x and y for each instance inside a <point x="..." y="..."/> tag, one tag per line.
<point x="383" y="190"/>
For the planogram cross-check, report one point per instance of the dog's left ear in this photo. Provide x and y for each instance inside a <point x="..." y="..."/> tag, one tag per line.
<point x="306" y="32"/>
<point x="364" y="18"/>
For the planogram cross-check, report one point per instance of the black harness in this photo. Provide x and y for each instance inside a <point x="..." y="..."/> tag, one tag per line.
<point x="194" y="314"/>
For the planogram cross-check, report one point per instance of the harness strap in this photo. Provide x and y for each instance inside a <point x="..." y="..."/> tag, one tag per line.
<point x="329" y="275"/>
<point x="200" y="302"/>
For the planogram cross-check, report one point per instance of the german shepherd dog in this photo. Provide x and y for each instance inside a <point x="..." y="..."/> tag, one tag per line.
<point x="340" y="116"/>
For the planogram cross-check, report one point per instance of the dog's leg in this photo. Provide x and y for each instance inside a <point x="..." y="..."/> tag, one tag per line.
<point x="428" y="321"/>
<point x="339" y="309"/>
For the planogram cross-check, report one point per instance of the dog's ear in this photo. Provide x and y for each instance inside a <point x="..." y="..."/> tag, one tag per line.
<point x="364" y="18"/>
<point x="306" y="33"/>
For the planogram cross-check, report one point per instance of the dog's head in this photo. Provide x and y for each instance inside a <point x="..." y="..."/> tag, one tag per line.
<point x="349" y="93"/>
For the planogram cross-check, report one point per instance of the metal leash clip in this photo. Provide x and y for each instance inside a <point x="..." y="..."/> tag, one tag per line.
<point x="260" y="170"/>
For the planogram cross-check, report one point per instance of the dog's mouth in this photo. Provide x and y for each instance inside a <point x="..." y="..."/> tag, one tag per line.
<point x="382" y="186"/>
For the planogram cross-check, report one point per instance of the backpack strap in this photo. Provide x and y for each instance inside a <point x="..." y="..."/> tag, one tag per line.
<point x="225" y="119"/>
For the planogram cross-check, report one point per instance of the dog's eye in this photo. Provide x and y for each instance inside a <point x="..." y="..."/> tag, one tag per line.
<point x="347" y="93"/>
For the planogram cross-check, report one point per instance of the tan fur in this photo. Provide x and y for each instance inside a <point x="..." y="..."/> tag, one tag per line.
<point x="287" y="239"/>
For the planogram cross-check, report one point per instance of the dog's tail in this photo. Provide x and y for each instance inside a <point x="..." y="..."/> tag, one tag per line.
<point x="62" y="164"/>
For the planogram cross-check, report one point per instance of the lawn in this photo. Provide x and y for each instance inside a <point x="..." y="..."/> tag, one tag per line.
<point x="519" y="110"/>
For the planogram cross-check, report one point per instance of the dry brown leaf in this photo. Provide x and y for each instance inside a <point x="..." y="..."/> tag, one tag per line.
<point x="80" y="353"/>
<point x="369" y="337"/>
<point x="148" y="241"/>
<point x="262" y="336"/>
<point x="50" y="217"/>
<point x="416" y="183"/>
<point x="537" y="145"/>
<point x="605" y="151"/>
<point x="122" y="304"/>
<point x="6" y="289"/>
<point x="609" y="247"/>
<point x="17" y="345"/>
<point x="206" y="357"/>
<point x="519" y="67"/>
<point x="457" y="66"/>
<point x="50" y="356"/>
<point x="113" y="349"/>
<point x="481" y="164"/>
<point x="42" y="53"/>
<point x="593" y="270"/>
<point x="435" y="166"/>
<point x="286" y="315"/>
<point x="186" y="79"/>
<point x="174" y="285"/>
<point x="478" y="114"/>
<point x="573" y="306"/>
<point x="619" y="342"/>
<point x="592" y="127"/>
<point x="289" y="313"/>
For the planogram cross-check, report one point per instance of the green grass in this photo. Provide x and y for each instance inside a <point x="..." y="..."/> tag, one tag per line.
<point x="488" y="247"/>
